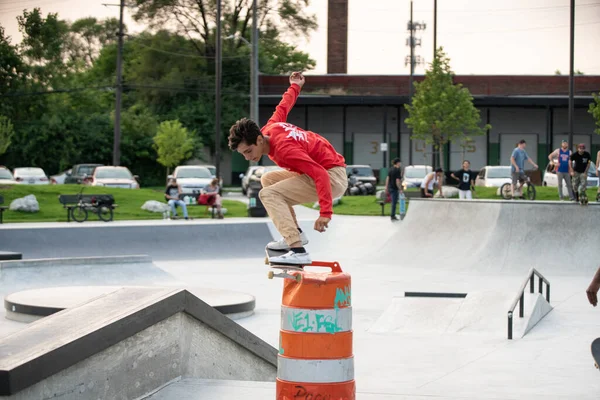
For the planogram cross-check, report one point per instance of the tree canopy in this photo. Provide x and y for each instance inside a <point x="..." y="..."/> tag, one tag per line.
<point x="58" y="84"/>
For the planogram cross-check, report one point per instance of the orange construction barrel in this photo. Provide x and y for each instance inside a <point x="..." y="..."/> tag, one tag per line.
<point x="315" y="359"/>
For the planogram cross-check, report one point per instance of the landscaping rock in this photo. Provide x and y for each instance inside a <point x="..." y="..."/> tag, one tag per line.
<point x="335" y="202"/>
<point x="449" y="192"/>
<point x="155" y="206"/>
<point x="223" y="210"/>
<point x="26" y="204"/>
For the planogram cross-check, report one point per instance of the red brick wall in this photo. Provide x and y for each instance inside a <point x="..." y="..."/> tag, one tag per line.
<point x="337" y="36"/>
<point x="496" y="85"/>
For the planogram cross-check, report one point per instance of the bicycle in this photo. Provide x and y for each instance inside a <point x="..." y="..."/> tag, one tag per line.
<point x="506" y="189"/>
<point x="101" y="207"/>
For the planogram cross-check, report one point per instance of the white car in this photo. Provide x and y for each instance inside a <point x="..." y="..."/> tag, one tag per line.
<point x="493" y="176"/>
<point x="114" y="177"/>
<point x="31" y="176"/>
<point x="414" y="175"/>
<point x="245" y="177"/>
<point x="6" y="178"/>
<point x="192" y="178"/>
<point x="550" y="178"/>
<point x="59" y="179"/>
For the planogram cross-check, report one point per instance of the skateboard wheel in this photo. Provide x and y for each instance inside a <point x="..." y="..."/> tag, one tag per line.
<point x="298" y="278"/>
<point x="271" y="275"/>
<point x="266" y="260"/>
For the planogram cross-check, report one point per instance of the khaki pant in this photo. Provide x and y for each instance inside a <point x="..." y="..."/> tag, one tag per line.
<point x="284" y="189"/>
<point x="579" y="183"/>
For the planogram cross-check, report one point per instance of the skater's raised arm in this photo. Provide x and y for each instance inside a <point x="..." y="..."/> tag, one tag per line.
<point x="289" y="99"/>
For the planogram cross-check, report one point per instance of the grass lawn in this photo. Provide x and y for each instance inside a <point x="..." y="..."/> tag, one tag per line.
<point x="367" y="205"/>
<point x="129" y="203"/>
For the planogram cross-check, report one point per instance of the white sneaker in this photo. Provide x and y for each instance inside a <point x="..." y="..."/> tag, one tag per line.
<point x="292" y="258"/>
<point x="281" y="244"/>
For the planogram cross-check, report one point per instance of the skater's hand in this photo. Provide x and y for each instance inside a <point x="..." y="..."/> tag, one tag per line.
<point x="297" y="78"/>
<point x="592" y="292"/>
<point x="321" y="224"/>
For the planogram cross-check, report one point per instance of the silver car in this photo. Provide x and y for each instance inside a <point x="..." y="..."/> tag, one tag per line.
<point x="6" y="178"/>
<point x="192" y="178"/>
<point x="31" y="176"/>
<point x="245" y="177"/>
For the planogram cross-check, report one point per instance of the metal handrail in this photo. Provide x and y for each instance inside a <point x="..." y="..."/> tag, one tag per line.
<point x="520" y="298"/>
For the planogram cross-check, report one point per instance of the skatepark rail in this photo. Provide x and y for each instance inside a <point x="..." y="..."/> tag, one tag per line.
<point x="520" y="298"/>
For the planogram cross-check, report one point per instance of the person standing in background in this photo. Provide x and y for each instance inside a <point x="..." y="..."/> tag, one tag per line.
<point x="393" y="186"/>
<point x="563" y="155"/>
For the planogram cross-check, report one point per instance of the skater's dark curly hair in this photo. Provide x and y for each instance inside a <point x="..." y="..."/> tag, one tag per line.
<point x="244" y="130"/>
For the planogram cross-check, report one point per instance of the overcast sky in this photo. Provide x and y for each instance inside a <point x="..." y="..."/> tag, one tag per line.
<point x="480" y="36"/>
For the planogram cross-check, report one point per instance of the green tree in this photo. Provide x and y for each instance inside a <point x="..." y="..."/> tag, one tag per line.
<point x="172" y="143"/>
<point x="6" y="133"/>
<point x="441" y="111"/>
<point x="594" y="109"/>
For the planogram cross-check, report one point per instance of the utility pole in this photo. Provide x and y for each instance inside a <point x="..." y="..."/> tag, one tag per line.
<point x="434" y="28"/>
<point x="117" y="135"/>
<point x="254" y="116"/>
<point x="218" y="62"/>
<point x="412" y="60"/>
<point x="571" y="72"/>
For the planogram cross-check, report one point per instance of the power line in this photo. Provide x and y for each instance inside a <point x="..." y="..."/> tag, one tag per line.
<point x="34" y="4"/>
<point x="514" y="9"/>
<point x="481" y="32"/>
<point x="185" y="54"/>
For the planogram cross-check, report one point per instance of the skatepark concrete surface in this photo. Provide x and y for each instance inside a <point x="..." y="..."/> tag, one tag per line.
<point x="404" y="347"/>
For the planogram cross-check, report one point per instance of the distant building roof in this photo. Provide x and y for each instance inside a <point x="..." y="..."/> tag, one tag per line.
<point x="397" y="85"/>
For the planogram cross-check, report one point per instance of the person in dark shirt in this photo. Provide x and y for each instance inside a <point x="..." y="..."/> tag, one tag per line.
<point x="465" y="177"/>
<point x="172" y="194"/>
<point x="578" y="167"/>
<point x="393" y="185"/>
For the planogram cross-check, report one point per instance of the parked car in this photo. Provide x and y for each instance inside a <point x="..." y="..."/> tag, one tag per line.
<point x="363" y="173"/>
<point x="245" y="177"/>
<point x="6" y="177"/>
<point x="414" y="175"/>
<point x="493" y="176"/>
<point x="550" y="178"/>
<point x="30" y="176"/>
<point x="59" y="179"/>
<point x="213" y="171"/>
<point x="254" y="184"/>
<point x="192" y="178"/>
<point x="115" y="177"/>
<point x="81" y="173"/>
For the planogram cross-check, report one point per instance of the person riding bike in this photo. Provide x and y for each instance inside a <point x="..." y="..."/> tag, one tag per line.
<point x="517" y="167"/>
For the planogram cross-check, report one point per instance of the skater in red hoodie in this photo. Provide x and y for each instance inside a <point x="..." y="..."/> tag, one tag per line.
<point x="313" y="171"/>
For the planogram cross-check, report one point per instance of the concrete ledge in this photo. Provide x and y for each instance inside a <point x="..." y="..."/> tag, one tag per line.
<point x="10" y="255"/>
<point x="55" y="356"/>
<point x="48" y="262"/>
<point x="30" y="305"/>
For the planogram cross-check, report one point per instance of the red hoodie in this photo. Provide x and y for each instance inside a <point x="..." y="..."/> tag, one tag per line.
<point x="302" y="151"/>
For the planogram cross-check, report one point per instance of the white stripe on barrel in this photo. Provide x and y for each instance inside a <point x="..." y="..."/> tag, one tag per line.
<point x="315" y="371"/>
<point x="316" y="321"/>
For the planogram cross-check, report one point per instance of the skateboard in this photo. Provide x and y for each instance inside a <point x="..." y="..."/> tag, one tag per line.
<point x="596" y="352"/>
<point x="402" y="205"/>
<point x="286" y="268"/>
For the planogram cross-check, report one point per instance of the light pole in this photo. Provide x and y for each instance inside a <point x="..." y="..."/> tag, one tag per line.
<point x="571" y="72"/>
<point x="218" y="77"/>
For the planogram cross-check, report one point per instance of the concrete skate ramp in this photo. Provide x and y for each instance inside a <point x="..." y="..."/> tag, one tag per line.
<point x="161" y="242"/>
<point x="127" y="344"/>
<point x="493" y="236"/>
<point x="125" y="270"/>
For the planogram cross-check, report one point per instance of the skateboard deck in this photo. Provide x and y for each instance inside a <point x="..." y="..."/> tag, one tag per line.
<point x="402" y="205"/>
<point x="596" y="352"/>
<point x="286" y="268"/>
